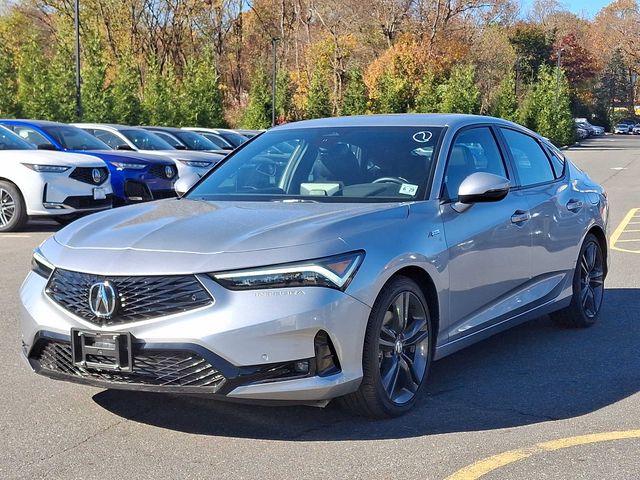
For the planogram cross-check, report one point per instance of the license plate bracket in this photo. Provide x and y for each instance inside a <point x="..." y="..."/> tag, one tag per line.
<point x="102" y="350"/>
<point x="99" y="194"/>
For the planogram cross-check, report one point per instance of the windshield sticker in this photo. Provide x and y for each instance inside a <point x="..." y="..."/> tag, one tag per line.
<point x="408" y="189"/>
<point x="422" y="137"/>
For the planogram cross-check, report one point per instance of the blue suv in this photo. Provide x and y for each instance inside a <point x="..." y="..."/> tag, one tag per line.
<point x="135" y="177"/>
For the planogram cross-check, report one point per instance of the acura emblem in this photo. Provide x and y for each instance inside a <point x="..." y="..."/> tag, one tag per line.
<point x="103" y="299"/>
<point x="96" y="174"/>
<point x="168" y="171"/>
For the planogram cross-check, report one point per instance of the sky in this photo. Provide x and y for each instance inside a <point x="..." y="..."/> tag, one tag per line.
<point x="587" y="7"/>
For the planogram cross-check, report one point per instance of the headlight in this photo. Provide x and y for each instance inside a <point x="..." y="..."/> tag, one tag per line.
<point x="128" y="166"/>
<point x="40" y="265"/>
<point x="332" y="272"/>
<point x="46" y="168"/>
<point x="195" y="163"/>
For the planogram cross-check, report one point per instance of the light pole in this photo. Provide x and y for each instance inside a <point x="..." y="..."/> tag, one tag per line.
<point x="558" y="77"/>
<point x="274" y="41"/>
<point x="78" y="79"/>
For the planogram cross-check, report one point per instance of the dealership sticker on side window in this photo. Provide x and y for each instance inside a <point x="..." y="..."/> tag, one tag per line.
<point x="408" y="189"/>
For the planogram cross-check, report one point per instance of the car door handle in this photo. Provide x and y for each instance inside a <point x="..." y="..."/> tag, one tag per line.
<point x="574" y="205"/>
<point x="520" y="216"/>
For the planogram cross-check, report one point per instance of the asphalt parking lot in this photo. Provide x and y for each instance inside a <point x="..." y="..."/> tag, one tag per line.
<point x="533" y="402"/>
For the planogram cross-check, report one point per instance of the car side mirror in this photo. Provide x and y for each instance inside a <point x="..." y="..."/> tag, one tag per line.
<point x="46" y="146"/>
<point x="481" y="187"/>
<point x="180" y="147"/>
<point x="124" y="146"/>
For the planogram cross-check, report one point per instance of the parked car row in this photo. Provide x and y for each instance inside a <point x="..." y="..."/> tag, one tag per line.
<point x="63" y="171"/>
<point x="627" y="128"/>
<point x="584" y="129"/>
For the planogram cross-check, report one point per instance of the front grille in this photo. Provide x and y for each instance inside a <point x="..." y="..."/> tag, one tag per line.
<point x="139" y="298"/>
<point x="85" y="174"/>
<point x="88" y="202"/>
<point x="150" y="367"/>
<point x="159" y="171"/>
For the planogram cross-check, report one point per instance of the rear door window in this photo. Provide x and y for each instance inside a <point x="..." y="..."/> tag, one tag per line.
<point x="531" y="163"/>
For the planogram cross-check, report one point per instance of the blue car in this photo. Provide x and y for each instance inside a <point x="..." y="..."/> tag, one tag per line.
<point x="135" y="177"/>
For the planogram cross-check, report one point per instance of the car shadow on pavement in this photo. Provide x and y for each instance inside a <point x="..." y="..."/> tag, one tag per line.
<point x="533" y="373"/>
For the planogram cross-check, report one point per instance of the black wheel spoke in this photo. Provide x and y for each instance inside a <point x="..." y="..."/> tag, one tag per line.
<point x="390" y="378"/>
<point x="418" y="338"/>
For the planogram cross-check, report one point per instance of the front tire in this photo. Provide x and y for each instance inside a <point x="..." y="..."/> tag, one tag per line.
<point x="13" y="211"/>
<point x="588" y="288"/>
<point x="397" y="352"/>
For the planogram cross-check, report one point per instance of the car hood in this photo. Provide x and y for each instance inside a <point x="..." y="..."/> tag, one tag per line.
<point x="184" y="235"/>
<point x="185" y="155"/>
<point x="51" y="157"/>
<point x="124" y="156"/>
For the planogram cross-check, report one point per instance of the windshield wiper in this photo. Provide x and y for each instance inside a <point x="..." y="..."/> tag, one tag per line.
<point x="295" y="200"/>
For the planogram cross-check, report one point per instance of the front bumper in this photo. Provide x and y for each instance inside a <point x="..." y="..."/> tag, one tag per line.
<point x="244" y="345"/>
<point x="59" y="194"/>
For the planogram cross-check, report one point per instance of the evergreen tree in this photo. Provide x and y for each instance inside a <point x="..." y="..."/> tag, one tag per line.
<point x="97" y="101"/>
<point x="459" y="94"/>
<point x="505" y="103"/>
<point x="202" y="102"/>
<point x="257" y="115"/>
<point x="8" y="85"/>
<point x="284" y="96"/>
<point x="427" y="99"/>
<point x="393" y="94"/>
<point x="319" y="96"/>
<point x="554" y="117"/>
<point x="355" y="96"/>
<point x="33" y="93"/>
<point x="547" y="110"/>
<point x="62" y="85"/>
<point x="126" y="103"/>
<point x="160" y="104"/>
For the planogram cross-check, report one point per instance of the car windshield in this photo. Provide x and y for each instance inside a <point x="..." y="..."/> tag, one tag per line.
<point x="11" y="141"/>
<point x="195" y="141"/>
<point x="344" y="164"/>
<point x="73" y="138"/>
<point x="144" y="140"/>
<point x="235" y="139"/>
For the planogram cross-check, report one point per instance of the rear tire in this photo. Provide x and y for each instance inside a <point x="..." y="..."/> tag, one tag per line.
<point x="13" y="211"/>
<point x="397" y="352"/>
<point x="588" y="288"/>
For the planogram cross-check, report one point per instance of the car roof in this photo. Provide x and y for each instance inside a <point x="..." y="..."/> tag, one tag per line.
<point x="397" y="120"/>
<point x="37" y="123"/>
<point x="164" y="129"/>
<point x="106" y="126"/>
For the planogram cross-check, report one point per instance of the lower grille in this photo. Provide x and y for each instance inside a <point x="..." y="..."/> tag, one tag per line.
<point x="150" y="367"/>
<point x="136" y="191"/>
<point x="160" y="194"/>
<point x="86" y="202"/>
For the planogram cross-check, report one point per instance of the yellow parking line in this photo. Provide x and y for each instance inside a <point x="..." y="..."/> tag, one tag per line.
<point x="487" y="465"/>
<point x="628" y="240"/>
<point x="615" y="237"/>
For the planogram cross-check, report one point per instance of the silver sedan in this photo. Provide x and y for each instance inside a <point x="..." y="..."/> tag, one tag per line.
<point x="325" y="259"/>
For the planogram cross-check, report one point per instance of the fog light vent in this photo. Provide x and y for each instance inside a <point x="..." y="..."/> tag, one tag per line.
<point x="327" y="362"/>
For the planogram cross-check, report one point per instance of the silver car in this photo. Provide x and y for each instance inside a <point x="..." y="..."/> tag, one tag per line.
<point x="326" y="259"/>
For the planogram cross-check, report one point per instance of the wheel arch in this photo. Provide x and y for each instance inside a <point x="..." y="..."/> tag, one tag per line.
<point x="428" y="288"/>
<point x="598" y="232"/>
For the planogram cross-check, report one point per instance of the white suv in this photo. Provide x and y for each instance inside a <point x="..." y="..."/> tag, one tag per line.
<point x="36" y="183"/>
